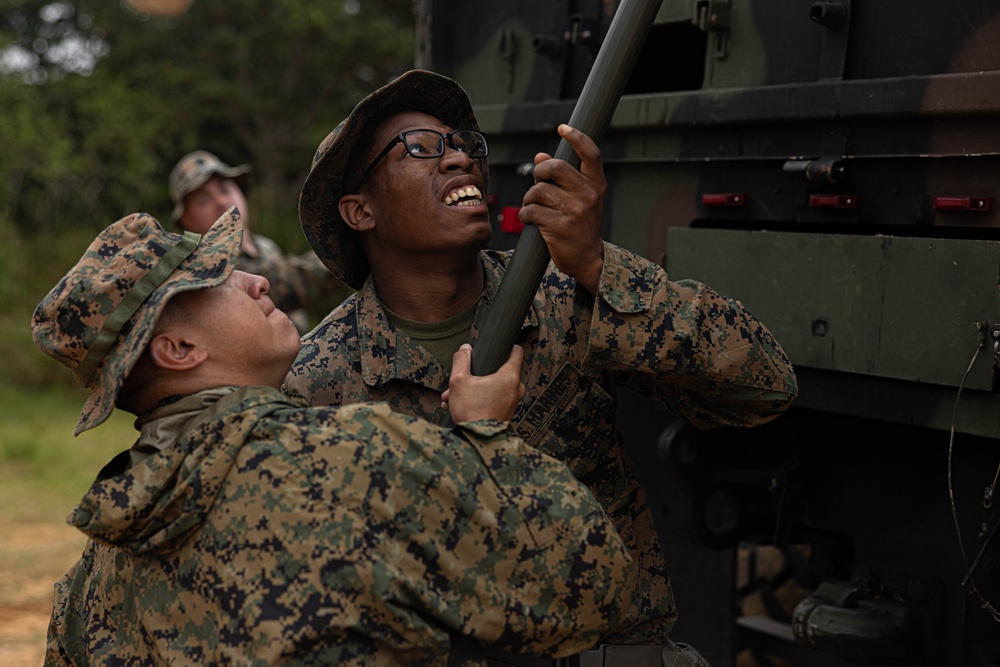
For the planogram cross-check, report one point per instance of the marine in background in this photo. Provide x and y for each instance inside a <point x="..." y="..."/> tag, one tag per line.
<point x="202" y="188"/>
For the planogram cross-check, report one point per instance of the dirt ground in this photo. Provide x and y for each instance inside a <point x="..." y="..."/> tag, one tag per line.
<point x="32" y="557"/>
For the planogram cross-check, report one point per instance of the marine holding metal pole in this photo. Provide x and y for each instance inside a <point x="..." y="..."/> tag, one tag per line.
<point x="591" y="115"/>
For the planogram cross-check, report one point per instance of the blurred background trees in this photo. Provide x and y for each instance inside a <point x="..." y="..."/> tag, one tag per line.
<point x="99" y="100"/>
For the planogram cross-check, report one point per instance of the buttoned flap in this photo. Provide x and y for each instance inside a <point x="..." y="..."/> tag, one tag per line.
<point x="628" y="281"/>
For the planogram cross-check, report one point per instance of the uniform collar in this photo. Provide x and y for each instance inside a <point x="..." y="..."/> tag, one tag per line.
<point x="389" y="354"/>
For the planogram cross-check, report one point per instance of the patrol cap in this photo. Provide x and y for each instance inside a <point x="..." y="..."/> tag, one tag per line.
<point x="98" y="319"/>
<point x="194" y="169"/>
<point x="334" y="242"/>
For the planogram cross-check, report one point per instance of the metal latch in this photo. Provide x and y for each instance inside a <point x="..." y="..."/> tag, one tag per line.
<point x="582" y="31"/>
<point x="712" y="16"/>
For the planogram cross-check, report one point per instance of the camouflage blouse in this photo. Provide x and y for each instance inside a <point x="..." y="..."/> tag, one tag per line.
<point x="703" y="355"/>
<point x="268" y="533"/>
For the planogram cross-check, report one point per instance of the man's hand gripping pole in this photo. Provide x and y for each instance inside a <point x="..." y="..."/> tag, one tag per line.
<point x="591" y="115"/>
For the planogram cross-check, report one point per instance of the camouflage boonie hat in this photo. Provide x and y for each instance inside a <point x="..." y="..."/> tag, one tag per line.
<point x="194" y="169"/>
<point x="98" y="319"/>
<point x="417" y="90"/>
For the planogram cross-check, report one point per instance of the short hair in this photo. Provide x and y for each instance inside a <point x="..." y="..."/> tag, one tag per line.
<point x="141" y="381"/>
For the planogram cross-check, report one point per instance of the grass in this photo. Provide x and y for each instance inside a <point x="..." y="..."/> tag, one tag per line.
<point x="44" y="470"/>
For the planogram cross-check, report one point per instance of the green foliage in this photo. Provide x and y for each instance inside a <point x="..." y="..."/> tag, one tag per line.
<point x="90" y="134"/>
<point x="258" y="81"/>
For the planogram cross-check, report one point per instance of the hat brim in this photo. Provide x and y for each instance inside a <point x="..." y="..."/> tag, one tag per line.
<point x="336" y="244"/>
<point x="209" y="265"/>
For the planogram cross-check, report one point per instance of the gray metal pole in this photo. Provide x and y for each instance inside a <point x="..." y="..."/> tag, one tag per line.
<point x="592" y="115"/>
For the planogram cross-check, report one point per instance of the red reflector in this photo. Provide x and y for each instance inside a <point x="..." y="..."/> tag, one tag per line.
<point x="509" y="221"/>
<point x="833" y="201"/>
<point x="723" y="199"/>
<point x="982" y="204"/>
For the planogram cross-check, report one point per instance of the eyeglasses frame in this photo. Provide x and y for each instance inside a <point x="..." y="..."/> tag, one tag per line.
<point x="447" y="138"/>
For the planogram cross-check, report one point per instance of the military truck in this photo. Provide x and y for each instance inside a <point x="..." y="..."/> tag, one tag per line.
<point x="835" y="166"/>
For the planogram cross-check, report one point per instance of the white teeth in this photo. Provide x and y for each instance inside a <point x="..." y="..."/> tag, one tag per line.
<point x="469" y="191"/>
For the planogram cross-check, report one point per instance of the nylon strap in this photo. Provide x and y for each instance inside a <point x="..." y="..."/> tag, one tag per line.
<point x="135" y="298"/>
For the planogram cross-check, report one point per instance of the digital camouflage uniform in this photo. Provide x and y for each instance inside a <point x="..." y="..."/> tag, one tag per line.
<point x="298" y="282"/>
<point x="268" y="533"/>
<point x="246" y="528"/>
<point x="701" y="354"/>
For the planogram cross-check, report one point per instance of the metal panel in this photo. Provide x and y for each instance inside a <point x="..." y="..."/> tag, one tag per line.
<point x="889" y="307"/>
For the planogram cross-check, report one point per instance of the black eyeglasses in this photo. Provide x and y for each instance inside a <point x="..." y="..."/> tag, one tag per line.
<point x="430" y="144"/>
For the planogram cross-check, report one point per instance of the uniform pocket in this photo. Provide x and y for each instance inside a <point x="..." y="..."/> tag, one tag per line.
<point x="573" y="420"/>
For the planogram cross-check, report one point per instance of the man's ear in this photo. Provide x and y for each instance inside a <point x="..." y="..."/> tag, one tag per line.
<point x="175" y="352"/>
<point x="356" y="213"/>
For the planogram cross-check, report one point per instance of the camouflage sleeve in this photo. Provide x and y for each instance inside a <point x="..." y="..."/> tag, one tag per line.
<point x="707" y="358"/>
<point x="297" y="281"/>
<point x="65" y="643"/>
<point x="574" y="578"/>
<point x="491" y="538"/>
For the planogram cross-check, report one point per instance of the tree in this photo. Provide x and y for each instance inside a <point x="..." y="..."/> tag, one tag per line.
<point x="99" y="103"/>
<point x="258" y="81"/>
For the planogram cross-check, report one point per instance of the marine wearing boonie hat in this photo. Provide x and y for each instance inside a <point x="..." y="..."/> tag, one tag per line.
<point x="417" y="90"/>
<point x="98" y="319"/>
<point x="194" y="169"/>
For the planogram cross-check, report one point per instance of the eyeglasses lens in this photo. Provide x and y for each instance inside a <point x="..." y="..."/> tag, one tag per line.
<point x="421" y="143"/>
<point x="469" y="142"/>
